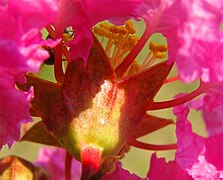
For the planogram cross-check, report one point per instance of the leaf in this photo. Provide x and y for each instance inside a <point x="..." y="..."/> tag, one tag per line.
<point x="40" y="134"/>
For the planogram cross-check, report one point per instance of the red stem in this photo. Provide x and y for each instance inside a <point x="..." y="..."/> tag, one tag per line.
<point x="68" y="164"/>
<point x="50" y="31"/>
<point x="58" y="70"/>
<point x="152" y="147"/>
<point x="172" y="103"/>
<point x="119" y="71"/>
<point x="66" y="53"/>
<point x="172" y="79"/>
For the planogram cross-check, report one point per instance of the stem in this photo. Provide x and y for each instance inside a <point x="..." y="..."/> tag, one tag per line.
<point x="172" y="103"/>
<point x="58" y="70"/>
<point x="50" y="31"/>
<point x="66" y="53"/>
<point x="91" y="160"/>
<point x="119" y="71"/>
<point x="172" y="79"/>
<point x="68" y="164"/>
<point x="153" y="147"/>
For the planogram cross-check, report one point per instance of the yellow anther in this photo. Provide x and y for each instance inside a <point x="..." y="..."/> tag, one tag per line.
<point x="152" y="46"/>
<point x="161" y="48"/>
<point x="133" y="40"/>
<point x="160" y="55"/>
<point x="67" y="37"/>
<point x="134" y="68"/>
<point x="104" y="25"/>
<point x="130" y="27"/>
<point x="114" y="29"/>
<point x="101" y="31"/>
<point x="122" y="30"/>
<point x="96" y="30"/>
<point x="157" y="47"/>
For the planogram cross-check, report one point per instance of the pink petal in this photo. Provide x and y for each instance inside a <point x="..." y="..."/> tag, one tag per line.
<point x="20" y="33"/>
<point x="82" y="15"/>
<point x="120" y="174"/>
<point x="200" y="42"/>
<point x="197" y="155"/>
<point x="211" y="105"/>
<point x="194" y="38"/>
<point x="20" y="52"/>
<point x="53" y="160"/>
<point x="160" y="169"/>
<point x="14" y="111"/>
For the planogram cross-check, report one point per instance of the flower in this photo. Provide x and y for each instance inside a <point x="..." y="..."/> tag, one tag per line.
<point x="53" y="160"/>
<point x="94" y="114"/>
<point x="20" y="52"/>
<point x="199" y="157"/>
<point x="83" y="15"/>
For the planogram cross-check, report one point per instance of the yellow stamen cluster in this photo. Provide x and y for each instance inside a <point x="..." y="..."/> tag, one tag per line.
<point x="67" y="37"/>
<point x="158" y="50"/>
<point x="120" y="40"/>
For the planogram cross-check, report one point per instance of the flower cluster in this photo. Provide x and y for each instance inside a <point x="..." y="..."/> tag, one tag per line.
<point x="100" y="103"/>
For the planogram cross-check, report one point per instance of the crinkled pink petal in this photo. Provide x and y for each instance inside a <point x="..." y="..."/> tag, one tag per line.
<point x="211" y="105"/>
<point x="189" y="145"/>
<point x="120" y="174"/>
<point x="53" y="160"/>
<point x="214" y="151"/>
<point x="200" y="42"/>
<point x="160" y="169"/>
<point x="192" y="29"/>
<point x="82" y="15"/>
<point x="20" y="37"/>
<point x="14" y="111"/>
<point x="197" y="155"/>
<point x="20" y="52"/>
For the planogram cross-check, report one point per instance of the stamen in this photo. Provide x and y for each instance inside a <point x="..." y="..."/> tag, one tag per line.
<point x="172" y="103"/>
<point x="51" y="31"/>
<point x="172" y="79"/>
<point x="122" y="43"/>
<point x="120" y="40"/>
<point x="152" y="147"/>
<point x="68" y="165"/>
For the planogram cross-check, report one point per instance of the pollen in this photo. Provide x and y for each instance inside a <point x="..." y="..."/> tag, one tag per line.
<point x="67" y="36"/>
<point x="119" y="41"/>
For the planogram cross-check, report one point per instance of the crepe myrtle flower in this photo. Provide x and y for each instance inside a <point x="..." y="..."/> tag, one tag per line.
<point x="20" y="52"/>
<point x="99" y="105"/>
<point x="196" y="157"/>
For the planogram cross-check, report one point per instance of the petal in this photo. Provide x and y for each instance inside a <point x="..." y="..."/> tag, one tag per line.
<point x="82" y="15"/>
<point x="21" y="35"/>
<point x="189" y="144"/>
<point x="56" y="166"/>
<point x="211" y="106"/>
<point x="120" y="174"/>
<point x="200" y="40"/>
<point x="14" y="111"/>
<point x="197" y="155"/>
<point x="214" y="151"/>
<point x="160" y="169"/>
